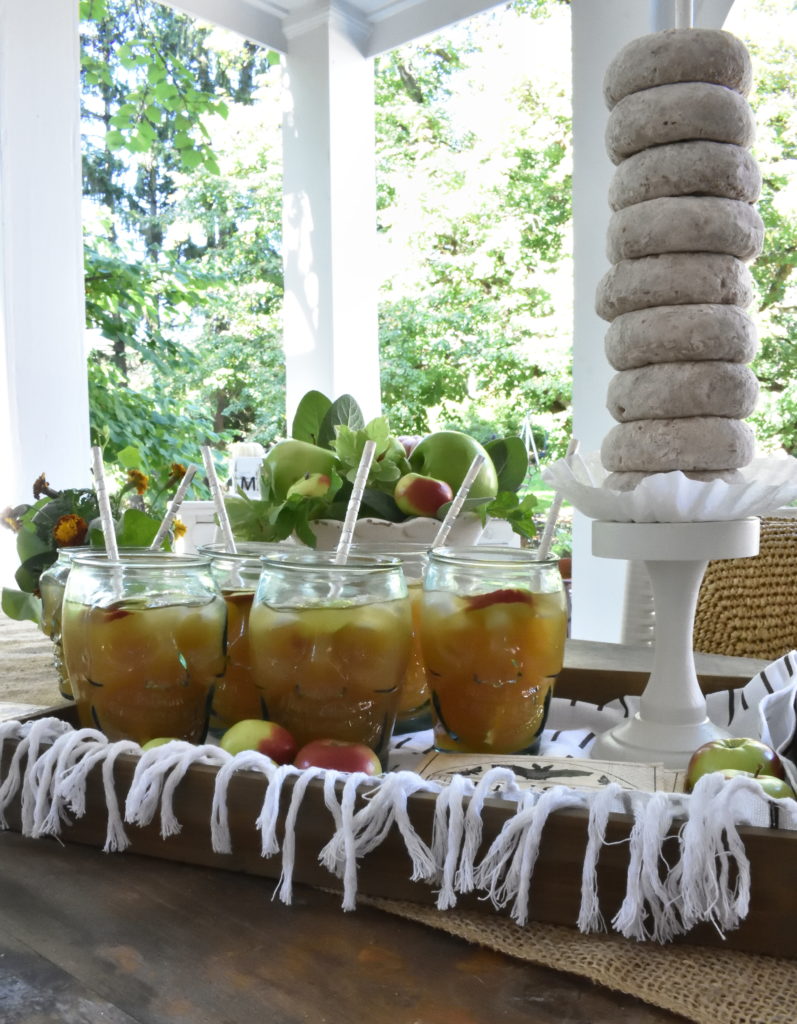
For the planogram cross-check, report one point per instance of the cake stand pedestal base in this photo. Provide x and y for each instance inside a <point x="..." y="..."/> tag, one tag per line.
<point x="671" y="722"/>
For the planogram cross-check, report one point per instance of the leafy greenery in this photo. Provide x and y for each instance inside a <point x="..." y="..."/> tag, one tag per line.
<point x="339" y="426"/>
<point x="71" y="518"/>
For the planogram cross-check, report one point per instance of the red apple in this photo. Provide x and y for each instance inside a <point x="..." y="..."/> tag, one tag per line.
<point x="265" y="737"/>
<point x="408" y="442"/>
<point x="507" y="596"/>
<point x="338" y="756"/>
<point x="418" y="495"/>
<point x="311" y="485"/>
<point x="740" y="753"/>
<point x="772" y="786"/>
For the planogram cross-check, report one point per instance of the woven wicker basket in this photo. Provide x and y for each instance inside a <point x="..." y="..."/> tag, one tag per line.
<point x="748" y="606"/>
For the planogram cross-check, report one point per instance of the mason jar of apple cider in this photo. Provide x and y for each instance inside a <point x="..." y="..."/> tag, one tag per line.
<point x="52" y="584"/>
<point x="330" y="644"/>
<point x="144" y="643"/>
<point x="493" y="623"/>
<point x="413" y="709"/>
<point x="236" y="695"/>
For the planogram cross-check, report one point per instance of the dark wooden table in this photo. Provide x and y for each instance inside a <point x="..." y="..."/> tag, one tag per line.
<point x="87" y="937"/>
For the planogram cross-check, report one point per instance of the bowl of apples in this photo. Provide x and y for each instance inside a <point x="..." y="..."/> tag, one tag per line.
<point x="306" y="482"/>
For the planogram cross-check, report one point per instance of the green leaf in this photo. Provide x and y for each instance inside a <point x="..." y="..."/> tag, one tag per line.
<point x="20" y="606"/>
<point x="518" y="512"/>
<point x="129" y="457"/>
<point x="377" y="503"/>
<point x="190" y="158"/>
<point x="27" y="574"/>
<point x="511" y="461"/>
<point x="30" y="544"/>
<point x="344" y="411"/>
<point x="136" y="529"/>
<point x="309" y="416"/>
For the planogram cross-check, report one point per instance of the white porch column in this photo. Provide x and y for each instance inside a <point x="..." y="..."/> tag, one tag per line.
<point x="599" y="30"/>
<point x="329" y="214"/>
<point x="44" y="408"/>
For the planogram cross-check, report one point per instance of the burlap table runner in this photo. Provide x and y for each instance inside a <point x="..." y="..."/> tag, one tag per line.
<point x="706" y="986"/>
<point x="27" y="675"/>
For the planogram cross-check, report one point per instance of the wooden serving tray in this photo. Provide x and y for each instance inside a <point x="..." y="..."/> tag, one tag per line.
<point x="555" y="890"/>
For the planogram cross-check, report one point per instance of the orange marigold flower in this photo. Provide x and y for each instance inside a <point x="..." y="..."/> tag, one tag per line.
<point x="179" y="529"/>
<point x="177" y="471"/>
<point x="70" y="531"/>
<point x="138" y="479"/>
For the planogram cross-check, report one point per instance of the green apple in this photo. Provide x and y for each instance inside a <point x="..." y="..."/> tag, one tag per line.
<point x="265" y="737"/>
<point x="418" y="495"/>
<point x="772" y="786"/>
<point x="289" y="461"/>
<point x="157" y="742"/>
<point x="447" y="455"/>
<point x="311" y="485"/>
<point x="738" y="753"/>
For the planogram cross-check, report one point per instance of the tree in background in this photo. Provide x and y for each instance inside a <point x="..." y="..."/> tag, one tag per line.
<point x="475" y="328"/>
<point x="775" y="271"/>
<point x="153" y="94"/>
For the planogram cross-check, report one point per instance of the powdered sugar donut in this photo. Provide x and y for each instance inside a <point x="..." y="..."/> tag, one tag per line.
<point x="686" y="168"/>
<point x="673" y="279"/>
<point x="676" y="390"/>
<point x="685" y="224"/>
<point x="678" y="55"/>
<point x="676" y="113"/>
<point x="670" y="334"/>
<point x="698" y="443"/>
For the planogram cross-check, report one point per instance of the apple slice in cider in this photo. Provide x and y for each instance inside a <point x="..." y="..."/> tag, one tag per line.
<point x="507" y="596"/>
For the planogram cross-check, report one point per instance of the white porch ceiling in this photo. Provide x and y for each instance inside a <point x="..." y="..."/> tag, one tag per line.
<point x="374" y="25"/>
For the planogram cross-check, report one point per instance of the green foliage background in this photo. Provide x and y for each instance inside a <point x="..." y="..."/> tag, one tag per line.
<point x="182" y="175"/>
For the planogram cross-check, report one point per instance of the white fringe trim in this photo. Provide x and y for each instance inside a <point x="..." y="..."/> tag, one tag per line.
<point x="708" y="879"/>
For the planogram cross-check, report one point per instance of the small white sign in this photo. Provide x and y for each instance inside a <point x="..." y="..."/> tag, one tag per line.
<point x="246" y="475"/>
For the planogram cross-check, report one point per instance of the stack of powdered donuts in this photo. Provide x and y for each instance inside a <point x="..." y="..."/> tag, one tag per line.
<point x="683" y="230"/>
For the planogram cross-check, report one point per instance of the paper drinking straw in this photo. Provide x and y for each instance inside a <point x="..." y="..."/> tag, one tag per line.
<point x="218" y="499"/>
<point x="347" y="533"/>
<point x="106" y="516"/>
<point x="553" y="511"/>
<point x="684" y="14"/>
<point x="173" y="508"/>
<point x="458" y="502"/>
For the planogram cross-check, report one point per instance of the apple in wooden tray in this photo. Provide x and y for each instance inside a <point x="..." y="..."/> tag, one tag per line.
<point x="267" y="738"/>
<point x="337" y="755"/>
<point x="739" y="756"/>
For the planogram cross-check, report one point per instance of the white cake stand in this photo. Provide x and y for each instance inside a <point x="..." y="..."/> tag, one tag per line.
<point x="671" y="721"/>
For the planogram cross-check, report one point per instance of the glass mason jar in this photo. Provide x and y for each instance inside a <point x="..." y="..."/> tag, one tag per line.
<point x="236" y="695"/>
<point x="144" y="643"/>
<point x="52" y="584"/>
<point x="330" y="644"/>
<point x="493" y="625"/>
<point x="413" y="709"/>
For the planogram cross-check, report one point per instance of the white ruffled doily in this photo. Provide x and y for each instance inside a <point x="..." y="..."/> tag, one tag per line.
<point x="768" y="484"/>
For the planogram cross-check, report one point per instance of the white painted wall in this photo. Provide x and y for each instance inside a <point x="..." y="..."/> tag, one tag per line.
<point x="43" y="390"/>
<point x="329" y="216"/>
